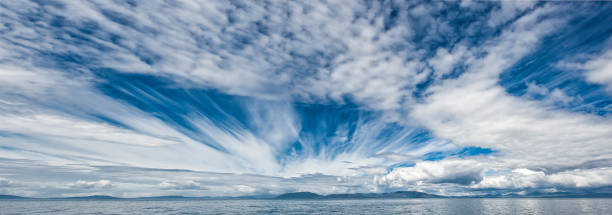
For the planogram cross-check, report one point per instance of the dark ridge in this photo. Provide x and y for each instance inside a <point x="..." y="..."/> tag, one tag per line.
<point x="95" y="197"/>
<point x="300" y="195"/>
<point x="398" y="194"/>
<point x="353" y="196"/>
<point x="410" y="194"/>
<point x="12" y="197"/>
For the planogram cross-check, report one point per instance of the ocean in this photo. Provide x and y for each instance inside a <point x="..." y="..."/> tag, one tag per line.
<point x="362" y="206"/>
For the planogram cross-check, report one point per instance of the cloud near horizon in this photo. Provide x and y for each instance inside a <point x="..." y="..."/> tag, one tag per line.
<point x="216" y="98"/>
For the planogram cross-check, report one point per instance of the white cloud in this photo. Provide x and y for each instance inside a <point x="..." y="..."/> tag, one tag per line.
<point x="338" y="52"/>
<point x="193" y="51"/>
<point x="181" y="185"/>
<point x="55" y="126"/>
<point x="525" y="178"/>
<point x="101" y="184"/>
<point x="508" y="10"/>
<point x="5" y="182"/>
<point x="138" y="182"/>
<point x="372" y="170"/>
<point x="245" y="189"/>
<point x="308" y="51"/>
<point x="599" y="70"/>
<point x="473" y="110"/>
<point x="444" y="171"/>
<point x="444" y="61"/>
<point x="550" y="97"/>
<point x="73" y="135"/>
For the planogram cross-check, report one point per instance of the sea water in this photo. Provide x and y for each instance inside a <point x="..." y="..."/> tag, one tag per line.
<point x="364" y="206"/>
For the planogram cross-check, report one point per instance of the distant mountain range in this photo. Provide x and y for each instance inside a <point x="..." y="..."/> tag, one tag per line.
<point x="97" y="197"/>
<point x="394" y="195"/>
<point x="309" y="195"/>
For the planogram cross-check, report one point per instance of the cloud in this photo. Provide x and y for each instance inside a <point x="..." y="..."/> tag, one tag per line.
<point x="138" y="182"/>
<point x="245" y="189"/>
<point x="6" y="182"/>
<point x="311" y="50"/>
<point x="58" y="126"/>
<point x="508" y="10"/>
<point x="598" y="70"/>
<point x="101" y="184"/>
<point x="525" y="178"/>
<point x="473" y="110"/>
<point x="289" y="96"/>
<point x="181" y="185"/>
<point x="372" y="170"/>
<point x="56" y="73"/>
<point x="463" y="172"/>
<point x="548" y="97"/>
<point x="594" y="67"/>
<point x="444" y="61"/>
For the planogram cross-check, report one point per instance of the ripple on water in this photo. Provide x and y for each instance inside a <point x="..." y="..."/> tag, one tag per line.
<point x="372" y="206"/>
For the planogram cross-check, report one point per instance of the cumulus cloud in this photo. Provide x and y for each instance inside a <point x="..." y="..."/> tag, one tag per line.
<point x="525" y="178"/>
<point x="463" y="172"/>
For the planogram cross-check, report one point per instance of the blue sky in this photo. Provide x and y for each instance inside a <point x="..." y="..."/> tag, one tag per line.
<point x="229" y="98"/>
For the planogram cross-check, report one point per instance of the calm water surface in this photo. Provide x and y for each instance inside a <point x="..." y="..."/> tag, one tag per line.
<point x="388" y="206"/>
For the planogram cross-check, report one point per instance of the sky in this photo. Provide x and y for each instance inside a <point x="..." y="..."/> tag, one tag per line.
<point x="232" y="98"/>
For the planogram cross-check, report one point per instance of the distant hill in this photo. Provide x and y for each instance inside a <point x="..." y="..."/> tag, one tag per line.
<point x="165" y="197"/>
<point x="12" y="197"/>
<point x="300" y="195"/>
<point x="410" y="194"/>
<point x="353" y="196"/>
<point x="95" y="197"/>
<point x="394" y="195"/>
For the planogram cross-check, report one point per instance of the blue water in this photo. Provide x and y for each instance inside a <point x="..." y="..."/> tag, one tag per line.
<point x="387" y="206"/>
